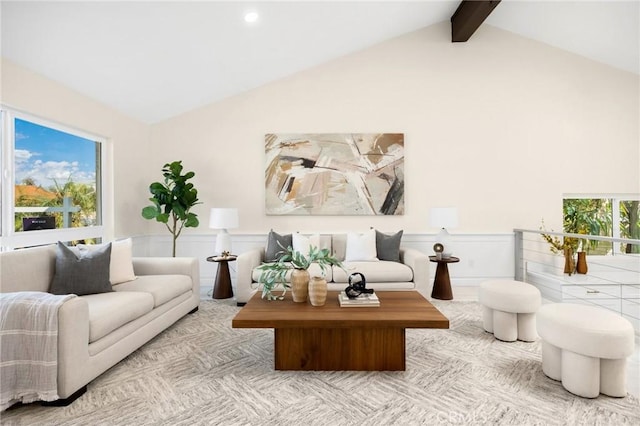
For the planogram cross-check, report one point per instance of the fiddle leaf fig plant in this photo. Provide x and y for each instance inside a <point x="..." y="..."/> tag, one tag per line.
<point x="172" y="201"/>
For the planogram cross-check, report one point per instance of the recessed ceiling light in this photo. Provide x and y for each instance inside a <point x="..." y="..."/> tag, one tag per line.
<point x="251" y="17"/>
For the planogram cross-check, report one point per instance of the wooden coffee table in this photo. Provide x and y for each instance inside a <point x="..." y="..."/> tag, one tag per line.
<point x="335" y="338"/>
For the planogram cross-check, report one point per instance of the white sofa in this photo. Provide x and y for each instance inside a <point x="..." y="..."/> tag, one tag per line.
<point x="97" y="331"/>
<point x="411" y="273"/>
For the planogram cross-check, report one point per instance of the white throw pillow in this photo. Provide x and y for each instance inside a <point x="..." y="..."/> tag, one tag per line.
<point x="361" y="247"/>
<point x="303" y="244"/>
<point x="121" y="266"/>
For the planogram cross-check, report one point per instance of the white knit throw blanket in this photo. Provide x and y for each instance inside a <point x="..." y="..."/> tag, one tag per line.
<point x="29" y="346"/>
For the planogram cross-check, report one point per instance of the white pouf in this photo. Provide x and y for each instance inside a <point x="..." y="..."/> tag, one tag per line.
<point x="509" y="309"/>
<point x="586" y="348"/>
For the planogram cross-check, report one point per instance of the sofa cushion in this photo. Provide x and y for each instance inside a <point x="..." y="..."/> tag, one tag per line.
<point x="275" y="244"/>
<point x="81" y="272"/>
<point x="314" y="270"/>
<point x="109" y="311"/>
<point x="121" y="263"/>
<point x="388" y="246"/>
<point x="163" y="288"/>
<point x="383" y="271"/>
<point x="339" y="246"/>
<point x="361" y="247"/>
<point x="28" y="269"/>
<point x="303" y="244"/>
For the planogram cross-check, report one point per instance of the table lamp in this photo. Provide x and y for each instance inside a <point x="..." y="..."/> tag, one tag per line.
<point x="443" y="218"/>
<point x="223" y="219"/>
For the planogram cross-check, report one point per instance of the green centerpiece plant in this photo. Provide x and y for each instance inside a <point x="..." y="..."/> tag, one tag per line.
<point x="275" y="274"/>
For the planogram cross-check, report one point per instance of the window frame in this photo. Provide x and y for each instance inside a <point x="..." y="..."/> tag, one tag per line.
<point x="615" y="198"/>
<point x="9" y="238"/>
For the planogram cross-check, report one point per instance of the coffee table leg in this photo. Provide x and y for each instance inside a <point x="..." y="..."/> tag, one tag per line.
<point x="340" y="349"/>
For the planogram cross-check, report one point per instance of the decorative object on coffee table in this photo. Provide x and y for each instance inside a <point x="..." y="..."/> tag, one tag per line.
<point x="222" y="288"/>
<point x="317" y="291"/>
<point x="365" y="300"/>
<point x="357" y="286"/>
<point x="275" y="273"/>
<point x="300" y="285"/>
<point x="442" y="282"/>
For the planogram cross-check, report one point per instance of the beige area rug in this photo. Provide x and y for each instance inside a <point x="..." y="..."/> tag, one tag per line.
<point x="203" y="372"/>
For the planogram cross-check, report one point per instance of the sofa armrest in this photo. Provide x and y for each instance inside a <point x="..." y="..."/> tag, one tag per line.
<point x="419" y="263"/>
<point x="170" y="266"/>
<point x="247" y="262"/>
<point x="73" y="346"/>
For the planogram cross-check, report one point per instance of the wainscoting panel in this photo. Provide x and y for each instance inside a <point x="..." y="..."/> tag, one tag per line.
<point x="482" y="256"/>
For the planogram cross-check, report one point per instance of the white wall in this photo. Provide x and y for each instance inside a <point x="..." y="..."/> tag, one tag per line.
<point x="500" y="126"/>
<point x="482" y="256"/>
<point x="29" y="92"/>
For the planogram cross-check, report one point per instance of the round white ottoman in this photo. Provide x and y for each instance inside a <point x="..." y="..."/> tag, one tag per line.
<point x="586" y="348"/>
<point x="509" y="309"/>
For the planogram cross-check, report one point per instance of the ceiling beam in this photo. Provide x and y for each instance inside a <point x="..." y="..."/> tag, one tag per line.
<point x="469" y="16"/>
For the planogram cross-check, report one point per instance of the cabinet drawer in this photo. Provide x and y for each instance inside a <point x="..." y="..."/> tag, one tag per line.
<point x="591" y="292"/>
<point x="611" y="304"/>
<point x="631" y="308"/>
<point x="631" y="291"/>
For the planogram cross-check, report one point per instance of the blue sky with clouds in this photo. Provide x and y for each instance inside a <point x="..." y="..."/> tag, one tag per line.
<point x="45" y="155"/>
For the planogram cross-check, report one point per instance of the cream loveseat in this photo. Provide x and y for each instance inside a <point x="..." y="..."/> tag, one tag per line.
<point x="410" y="272"/>
<point x="96" y="331"/>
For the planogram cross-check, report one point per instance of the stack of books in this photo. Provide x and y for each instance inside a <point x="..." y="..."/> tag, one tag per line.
<point x="364" y="300"/>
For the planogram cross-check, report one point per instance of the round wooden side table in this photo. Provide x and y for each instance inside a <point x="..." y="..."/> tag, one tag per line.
<point x="442" y="282"/>
<point x="222" y="287"/>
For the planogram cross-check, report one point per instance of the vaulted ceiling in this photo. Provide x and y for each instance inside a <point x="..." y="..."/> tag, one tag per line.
<point x="154" y="60"/>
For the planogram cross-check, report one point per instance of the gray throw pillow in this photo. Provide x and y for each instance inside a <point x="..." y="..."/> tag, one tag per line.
<point x="81" y="272"/>
<point x="274" y="243"/>
<point x="388" y="246"/>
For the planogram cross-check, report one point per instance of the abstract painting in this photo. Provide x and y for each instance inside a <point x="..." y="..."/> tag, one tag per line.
<point x="334" y="174"/>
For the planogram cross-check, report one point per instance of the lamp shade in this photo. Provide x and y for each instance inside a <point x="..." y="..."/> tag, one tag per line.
<point x="443" y="217"/>
<point x="223" y="218"/>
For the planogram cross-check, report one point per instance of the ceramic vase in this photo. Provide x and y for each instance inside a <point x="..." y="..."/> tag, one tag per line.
<point x="317" y="291"/>
<point x="299" y="285"/>
<point x="569" y="263"/>
<point x="581" y="266"/>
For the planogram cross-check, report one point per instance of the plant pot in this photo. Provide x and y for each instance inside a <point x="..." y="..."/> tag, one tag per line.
<point x="569" y="263"/>
<point x="581" y="266"/>
<point x="299" y="285"/>
<point x="317" y="291"/>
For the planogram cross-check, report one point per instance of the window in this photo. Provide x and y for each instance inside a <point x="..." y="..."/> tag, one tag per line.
<point x="52" y="182"/>
<point x="629" y="216"/>
<point x="615" y="216"/>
